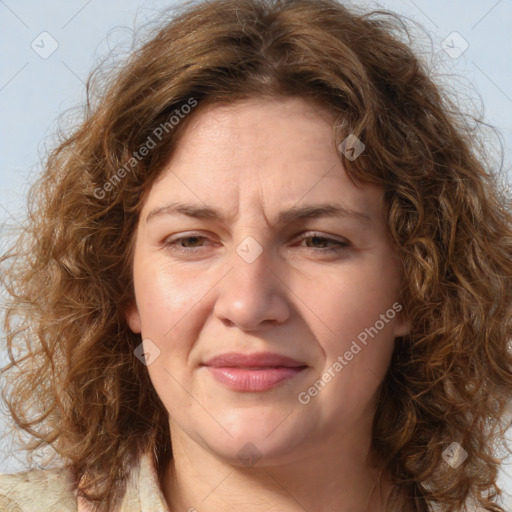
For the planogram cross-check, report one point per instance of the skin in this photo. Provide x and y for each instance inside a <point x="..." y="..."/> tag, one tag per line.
<point x="250" y="160"/>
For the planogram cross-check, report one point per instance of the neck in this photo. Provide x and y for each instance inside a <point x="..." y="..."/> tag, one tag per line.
<point x="333" y="476"/>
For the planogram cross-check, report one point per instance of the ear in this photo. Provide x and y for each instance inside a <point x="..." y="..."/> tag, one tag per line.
<point x="133" y="318"/>
<point x="403" y="325"/>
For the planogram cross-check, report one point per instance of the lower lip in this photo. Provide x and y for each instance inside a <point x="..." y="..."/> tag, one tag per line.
<point x="243" y="379"/>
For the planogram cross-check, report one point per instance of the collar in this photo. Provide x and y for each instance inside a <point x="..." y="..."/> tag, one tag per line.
<point x="143" y="491"/>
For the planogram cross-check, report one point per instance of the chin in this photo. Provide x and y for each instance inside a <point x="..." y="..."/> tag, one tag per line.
<point x="258" y="443"/>
<point x="255" y="453"/>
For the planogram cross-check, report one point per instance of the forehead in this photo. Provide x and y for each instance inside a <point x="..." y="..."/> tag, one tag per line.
<point x="260" y="151"/>
<point x="299" y="128"/>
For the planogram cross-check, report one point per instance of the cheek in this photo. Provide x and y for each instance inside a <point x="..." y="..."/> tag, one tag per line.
<point x="357" y="356"/>
<point x="357" y="323"/>
<point x="168" y="306"/>
<point x="361" y="333"/>
<point x="172" y="311"/>
<point x="165" y="298"/>
<point x="355" y="301"/>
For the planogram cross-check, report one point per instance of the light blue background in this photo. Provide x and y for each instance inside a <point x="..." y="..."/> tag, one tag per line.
<point x="34" y="91"/>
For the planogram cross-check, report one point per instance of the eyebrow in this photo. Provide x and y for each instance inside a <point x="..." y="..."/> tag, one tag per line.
<point x="291" y="215"/>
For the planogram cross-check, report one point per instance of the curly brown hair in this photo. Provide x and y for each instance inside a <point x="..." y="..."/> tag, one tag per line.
<point x="73" y="382"/>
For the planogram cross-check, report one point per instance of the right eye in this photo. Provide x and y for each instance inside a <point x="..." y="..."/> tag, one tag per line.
<point x="176" y="244"/>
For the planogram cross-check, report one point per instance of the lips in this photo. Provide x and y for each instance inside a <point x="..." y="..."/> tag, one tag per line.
<point x="253" y="372"/>
<point x="261" y="360"/>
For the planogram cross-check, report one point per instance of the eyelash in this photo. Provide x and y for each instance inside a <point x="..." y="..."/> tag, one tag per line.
<point x="173" y="244"/>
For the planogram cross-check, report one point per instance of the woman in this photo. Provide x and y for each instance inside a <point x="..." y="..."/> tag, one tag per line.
<point x="269" y="271"/>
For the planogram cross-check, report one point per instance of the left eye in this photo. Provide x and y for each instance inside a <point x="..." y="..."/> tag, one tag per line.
<point x="324" y="240"/>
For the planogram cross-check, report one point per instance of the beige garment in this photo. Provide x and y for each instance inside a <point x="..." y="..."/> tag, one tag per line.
<point x="51" y="491"/>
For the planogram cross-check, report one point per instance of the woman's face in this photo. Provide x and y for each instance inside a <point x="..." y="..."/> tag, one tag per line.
<point x="225" y="263"/>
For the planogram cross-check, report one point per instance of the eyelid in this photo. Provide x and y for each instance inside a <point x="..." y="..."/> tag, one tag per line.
<point x="172" y="242"/>
<point x="318" y="234"/>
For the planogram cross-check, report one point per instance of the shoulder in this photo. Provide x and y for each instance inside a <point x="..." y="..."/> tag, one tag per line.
<point x="44" y="490"/>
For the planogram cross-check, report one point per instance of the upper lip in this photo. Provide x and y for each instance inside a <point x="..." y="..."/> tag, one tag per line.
<point x="262" y="359"/>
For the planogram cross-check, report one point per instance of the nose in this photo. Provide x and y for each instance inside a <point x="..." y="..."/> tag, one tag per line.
<point x="253" y="294"/>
